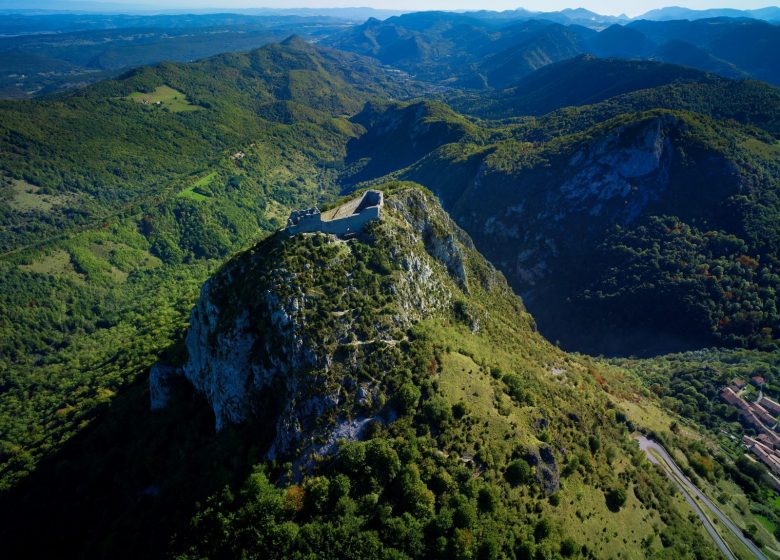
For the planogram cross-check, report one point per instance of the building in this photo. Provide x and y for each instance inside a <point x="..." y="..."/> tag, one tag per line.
<point x="757" y="380"/>
<point x="766" y="440"/>
<point x="738" y="384"/>
<point x="764" y="415"/>
<point x="754" y="415"/>
<point x="346" y="219"/>
<point x="765" y="454"/>
<point x="771" y="405"/>
<point x="728" y="395"/>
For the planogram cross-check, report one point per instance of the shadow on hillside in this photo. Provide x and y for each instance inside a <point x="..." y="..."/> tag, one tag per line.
<point x="123" y="486"/>
<point x="597" y="335"/>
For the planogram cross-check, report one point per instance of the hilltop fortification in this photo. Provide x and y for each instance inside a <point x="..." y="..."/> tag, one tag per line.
<point x="343" y="220"/>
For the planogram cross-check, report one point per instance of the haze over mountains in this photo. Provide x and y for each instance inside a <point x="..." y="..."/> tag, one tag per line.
<point x="181" y="376"/>
<point x="470" y="50"/>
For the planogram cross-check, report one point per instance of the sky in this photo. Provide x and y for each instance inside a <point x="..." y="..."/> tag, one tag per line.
<point x="611" y="7"/>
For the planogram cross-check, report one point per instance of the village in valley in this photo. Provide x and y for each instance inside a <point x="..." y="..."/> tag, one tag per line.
<point x="761" y="415"/>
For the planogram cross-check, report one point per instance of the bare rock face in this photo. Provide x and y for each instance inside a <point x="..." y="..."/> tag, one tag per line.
<point x="547" y="472"/>
<point x="160" y="376"/>
<point x="281" y="333"/>
<point x="631" y="170"/>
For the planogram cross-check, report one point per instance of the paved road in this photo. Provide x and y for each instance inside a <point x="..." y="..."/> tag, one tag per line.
<point x="690" y="490"/>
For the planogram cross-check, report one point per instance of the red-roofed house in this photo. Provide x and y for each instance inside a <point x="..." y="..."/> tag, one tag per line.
<point x="771" y="405"/>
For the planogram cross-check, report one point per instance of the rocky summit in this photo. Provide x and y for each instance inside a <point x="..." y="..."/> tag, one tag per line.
<point x="400" y="358"/>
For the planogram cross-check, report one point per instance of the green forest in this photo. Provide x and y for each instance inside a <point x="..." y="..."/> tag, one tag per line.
<point x="638" y="226"/>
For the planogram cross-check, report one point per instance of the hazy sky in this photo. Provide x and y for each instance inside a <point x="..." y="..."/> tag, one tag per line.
<point x="630" y="7"/>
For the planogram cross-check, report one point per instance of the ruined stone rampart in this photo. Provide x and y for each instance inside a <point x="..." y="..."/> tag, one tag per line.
<point x="346" y="219"/>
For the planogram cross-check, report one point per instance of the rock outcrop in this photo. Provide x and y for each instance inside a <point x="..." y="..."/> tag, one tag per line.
<point x="297" y="331"/>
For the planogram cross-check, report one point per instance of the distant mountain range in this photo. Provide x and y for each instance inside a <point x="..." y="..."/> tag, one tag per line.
<point x="579" y="16"/>
<point x="76" y="6"/>
<point x="770" y="13"/>
<point x="489" y="50"/>
<point x="44" y="51"/>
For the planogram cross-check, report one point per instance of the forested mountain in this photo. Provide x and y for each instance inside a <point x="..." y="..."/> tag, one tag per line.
<point x="461" y="49"/>
<point x="467" y="51"/>
<point x="582" y="80"/>
<point x="560" y="205"/>
<point x="744" y="44"/>
<point x="181" y="377"/>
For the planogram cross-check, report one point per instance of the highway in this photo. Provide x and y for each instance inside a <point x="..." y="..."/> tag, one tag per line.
<point x="689" y="492"/>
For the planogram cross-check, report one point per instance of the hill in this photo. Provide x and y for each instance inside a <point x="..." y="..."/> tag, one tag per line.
<point x="37" y="60"/>
<point x="225" y="104"/>
<point x="513" y="185"/>
<point x="582" y="80"/>
<point x="438" y="424"/>
<point x="114" y="209"/>
<point x="407" y="131"/>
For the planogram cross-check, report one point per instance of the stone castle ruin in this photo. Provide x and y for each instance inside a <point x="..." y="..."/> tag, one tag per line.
<point x="346" y="219"/>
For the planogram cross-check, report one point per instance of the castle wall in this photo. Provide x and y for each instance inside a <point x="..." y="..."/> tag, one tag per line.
<point x="350" y="224"/>
<point x="307" y="224"/>
<point x="346" y="219"/>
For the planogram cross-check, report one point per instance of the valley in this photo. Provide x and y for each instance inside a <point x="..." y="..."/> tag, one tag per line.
<point x="576" y="246"/>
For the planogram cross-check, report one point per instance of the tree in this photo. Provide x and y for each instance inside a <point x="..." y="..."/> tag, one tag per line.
<point x="518" y="472"/>
<point x="487" y="500"/>
<point x="407" y="398"/>
<point x="542" y="529"/>
<point x="616" y="498"/>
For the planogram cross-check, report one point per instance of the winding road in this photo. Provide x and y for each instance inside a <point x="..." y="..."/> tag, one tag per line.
<point x="695" y="498"/>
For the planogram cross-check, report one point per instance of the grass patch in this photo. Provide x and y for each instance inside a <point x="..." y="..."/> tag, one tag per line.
<point x="57" y="263"/>
<point x="766" y="522"/>
<point x="26" y="197"/>
<point x="629" y="531"/>
<point x="196" y="191"/>
<point x="166" y="98"/>
<point x="769" y="151"/>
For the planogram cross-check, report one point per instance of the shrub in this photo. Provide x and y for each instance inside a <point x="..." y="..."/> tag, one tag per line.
<point x="616" y="498"/>
<point x="437" y="411"/>
<point x="568" y="547"/>
<point x="518" y="472"/>
<point x="459" y="410"/>
<point x="407" y="398"/>
<point x="543" y="529"/>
